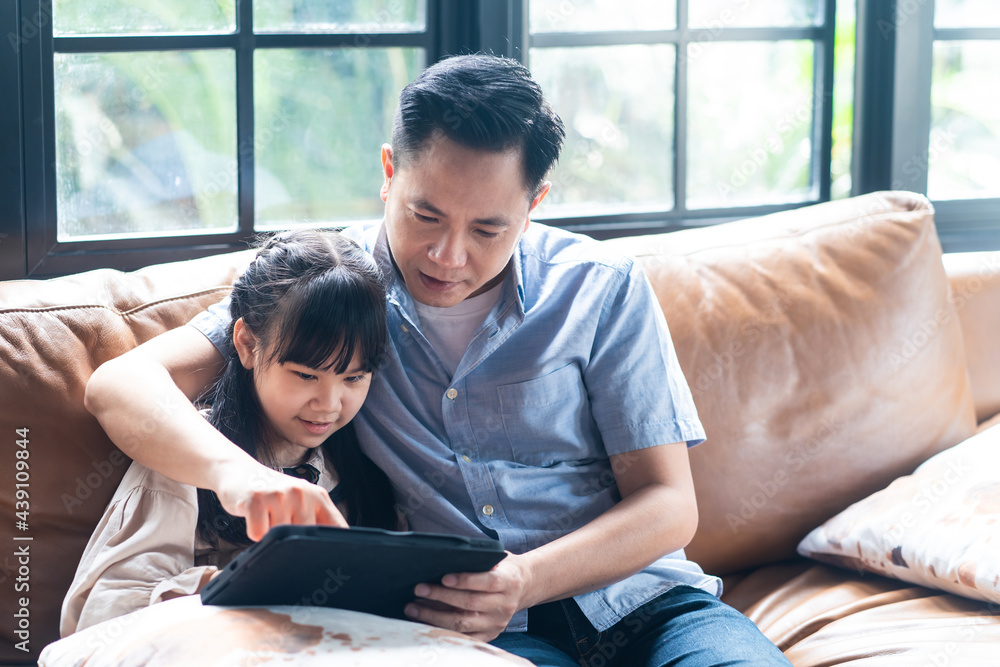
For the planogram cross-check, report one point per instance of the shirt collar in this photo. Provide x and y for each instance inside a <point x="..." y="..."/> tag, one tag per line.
<point x="317" y="459"/>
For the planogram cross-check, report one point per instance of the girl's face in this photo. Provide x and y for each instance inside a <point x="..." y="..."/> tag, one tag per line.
<point x="302" y="405"/>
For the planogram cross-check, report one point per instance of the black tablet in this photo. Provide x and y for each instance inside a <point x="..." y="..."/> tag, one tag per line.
<point x="363" y="569"/>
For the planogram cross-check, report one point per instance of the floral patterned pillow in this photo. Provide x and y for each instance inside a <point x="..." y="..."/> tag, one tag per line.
<point x="939" y="527"/>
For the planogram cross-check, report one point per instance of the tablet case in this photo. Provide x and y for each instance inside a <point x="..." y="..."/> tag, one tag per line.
<point x="363" y="569"/>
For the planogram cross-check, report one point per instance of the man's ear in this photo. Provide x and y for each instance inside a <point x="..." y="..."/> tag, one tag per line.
<point x="387" y="170"/>
<point x="546" y="186"/>
<point x="245" y="343"/>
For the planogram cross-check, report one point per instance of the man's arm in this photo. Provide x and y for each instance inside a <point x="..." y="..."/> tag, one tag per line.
<point x="143" y="399"/>
<point x="658" y="515"/>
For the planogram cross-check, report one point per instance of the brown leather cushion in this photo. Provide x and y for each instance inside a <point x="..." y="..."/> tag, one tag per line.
<point x="824" y="357"/>
<point x="53" y="334"/>
<point x="820" y="615"/>
<point x="975" y="286"/>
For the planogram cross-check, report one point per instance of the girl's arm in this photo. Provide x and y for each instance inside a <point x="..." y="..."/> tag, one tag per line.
<point x="143" y="399"/>
<point x="141" y="552"/>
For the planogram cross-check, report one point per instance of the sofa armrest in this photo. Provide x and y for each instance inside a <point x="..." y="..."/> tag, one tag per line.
<point x="975" y="289"/>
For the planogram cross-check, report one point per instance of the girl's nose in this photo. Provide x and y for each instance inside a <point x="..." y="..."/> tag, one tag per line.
<point x="328" y="400"/>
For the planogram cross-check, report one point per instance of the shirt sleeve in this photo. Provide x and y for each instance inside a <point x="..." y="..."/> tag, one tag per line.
<point x="142" y="549"/>
<point x="214" y="323"/>
<point x="638" y="394"/>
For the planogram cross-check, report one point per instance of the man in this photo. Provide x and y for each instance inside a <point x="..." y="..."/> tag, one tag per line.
<point x="531" y="393"/>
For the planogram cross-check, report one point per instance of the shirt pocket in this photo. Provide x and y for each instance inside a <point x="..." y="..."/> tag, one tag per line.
<point x="547" y="419"/>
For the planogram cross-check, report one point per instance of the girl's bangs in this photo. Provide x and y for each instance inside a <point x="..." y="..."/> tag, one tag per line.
<point x="328" y="321"/>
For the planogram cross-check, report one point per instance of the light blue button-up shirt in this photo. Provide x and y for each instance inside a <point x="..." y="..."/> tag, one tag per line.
<point x="573" y="364"/>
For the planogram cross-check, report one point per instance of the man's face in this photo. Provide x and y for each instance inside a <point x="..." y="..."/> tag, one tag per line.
<point x="453" y="216"/>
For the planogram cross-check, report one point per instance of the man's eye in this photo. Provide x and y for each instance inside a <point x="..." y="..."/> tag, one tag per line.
<point x="487" y="235"/>
<point x="424" y="218"/>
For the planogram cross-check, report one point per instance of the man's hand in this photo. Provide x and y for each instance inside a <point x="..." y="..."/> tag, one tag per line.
<point x="478" y="604"/>
<point x="269" y="498"/>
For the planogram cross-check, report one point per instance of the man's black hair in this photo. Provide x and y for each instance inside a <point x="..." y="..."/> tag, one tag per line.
<point x="482" y="102"/>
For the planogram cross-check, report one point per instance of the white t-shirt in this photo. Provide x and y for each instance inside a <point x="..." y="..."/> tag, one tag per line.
<point x="450" y="330"/>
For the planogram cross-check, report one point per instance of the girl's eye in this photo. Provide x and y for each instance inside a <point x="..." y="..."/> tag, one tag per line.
<point x="354" y="379"/>
<point x="305" y="376"/>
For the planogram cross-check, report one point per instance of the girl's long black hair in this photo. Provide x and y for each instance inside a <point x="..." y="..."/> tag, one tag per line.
<point x="312" y="298"/>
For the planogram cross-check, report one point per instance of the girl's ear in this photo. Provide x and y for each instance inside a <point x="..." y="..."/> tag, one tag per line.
<point x="245" y="343"/>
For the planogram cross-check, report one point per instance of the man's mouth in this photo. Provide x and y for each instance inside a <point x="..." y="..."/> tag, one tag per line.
<point x="434" y="284"/>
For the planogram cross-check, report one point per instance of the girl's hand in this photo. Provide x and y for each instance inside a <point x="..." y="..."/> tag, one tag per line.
<point x="269" y="498"/>
<point x="478" y="604"/>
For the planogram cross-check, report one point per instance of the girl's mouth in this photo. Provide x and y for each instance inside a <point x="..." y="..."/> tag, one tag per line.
<point x="316" y="428"/>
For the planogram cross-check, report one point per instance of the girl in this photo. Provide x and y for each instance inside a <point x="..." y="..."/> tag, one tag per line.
<point x="308" y="331"/>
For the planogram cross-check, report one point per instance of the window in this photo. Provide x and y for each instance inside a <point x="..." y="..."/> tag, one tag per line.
<point x="946" y="118"/>
<point x="684" y="112"/>
<point x="142" y="131"/>
<point x="172" y="129"/>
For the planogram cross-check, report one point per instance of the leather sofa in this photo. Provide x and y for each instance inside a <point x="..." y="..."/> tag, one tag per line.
<point x="826" y="351"/>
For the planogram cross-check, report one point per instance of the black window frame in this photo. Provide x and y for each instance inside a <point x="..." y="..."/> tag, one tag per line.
<point x="822" y="33"/>
<point x="43" y="254"/>
<point x="891" y="111"/>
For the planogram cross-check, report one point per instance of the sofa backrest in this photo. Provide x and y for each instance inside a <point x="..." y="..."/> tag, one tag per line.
<point x="823" y="353"/>
<point x="53" y="334"/>
<point x="975" y="288"/>
<point x="825" y="359"/>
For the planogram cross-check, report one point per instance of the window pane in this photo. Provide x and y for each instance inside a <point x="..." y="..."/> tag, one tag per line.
<point x="843" y="101"/>
<point x="320" y="118"/>
<point x="87" y="17"/>
<point x="751" y="13"/>
<point x="966" y="13"/>
<point x="750" y="119"/>
<point x="339" y="15"/>
<point x="617" y="103"/>
<point x="594" y="15"/>
<point x="964" y="153"/>
<point x="145" y="142"/>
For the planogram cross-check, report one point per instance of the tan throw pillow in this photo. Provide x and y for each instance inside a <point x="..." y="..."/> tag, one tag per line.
<point x="939" y="527"/>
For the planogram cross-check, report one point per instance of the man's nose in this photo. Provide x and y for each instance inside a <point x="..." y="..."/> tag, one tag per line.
<point x="449" y="251"/>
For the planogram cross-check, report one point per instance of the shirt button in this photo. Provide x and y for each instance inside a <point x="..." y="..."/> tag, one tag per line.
<point x="405" y="328"/>
<point x="488" y="510"/>
<point x="465" y="457"/>
<point x="451" y="393"/>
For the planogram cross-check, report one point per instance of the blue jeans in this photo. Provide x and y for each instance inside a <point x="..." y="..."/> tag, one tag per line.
<point x="685" y="626"/>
